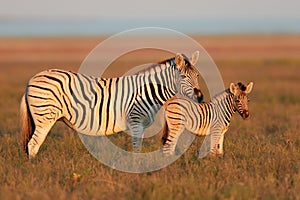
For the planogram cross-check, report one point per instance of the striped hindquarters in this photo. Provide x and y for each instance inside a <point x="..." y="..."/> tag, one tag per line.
<point x="87" y="104"/>
<point x="184" y="111"/>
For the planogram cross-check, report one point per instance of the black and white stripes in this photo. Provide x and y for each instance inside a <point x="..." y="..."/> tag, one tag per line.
<point x="98" y="106"/>
<point x="202" y="119"/>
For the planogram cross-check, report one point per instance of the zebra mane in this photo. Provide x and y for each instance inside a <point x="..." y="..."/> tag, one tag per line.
<point x="242" y="86"/>
<point x="157" y="66"/>
<point x="168" y="62"/>
<point x="186" y="60"/>
<point x="227" y="92"/>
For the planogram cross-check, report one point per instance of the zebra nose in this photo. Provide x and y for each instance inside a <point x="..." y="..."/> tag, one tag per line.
<point x="246" y="114"/>
<point x="198" y="94"/>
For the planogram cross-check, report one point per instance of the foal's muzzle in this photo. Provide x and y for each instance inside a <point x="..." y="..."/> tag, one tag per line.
<point x="245" y="114"/>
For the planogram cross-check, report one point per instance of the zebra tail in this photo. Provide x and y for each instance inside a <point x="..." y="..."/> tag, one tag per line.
<point x="27" y="124"/>
<point x="164" y="133"/>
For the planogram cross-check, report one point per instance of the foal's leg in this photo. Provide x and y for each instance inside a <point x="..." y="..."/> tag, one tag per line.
<point x="216" y="139"/>
<point x="174" y="131"/>
<point x="219" y="145"/>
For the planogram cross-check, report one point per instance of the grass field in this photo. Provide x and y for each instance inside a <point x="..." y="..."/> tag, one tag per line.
<point x="262" y="154"/>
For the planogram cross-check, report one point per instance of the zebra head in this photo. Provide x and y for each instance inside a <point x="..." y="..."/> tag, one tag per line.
<point x="240" y="98"/>
<point x="188" y="81"/>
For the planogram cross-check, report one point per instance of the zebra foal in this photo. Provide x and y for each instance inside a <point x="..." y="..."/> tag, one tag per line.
<point x="202" y="119"/>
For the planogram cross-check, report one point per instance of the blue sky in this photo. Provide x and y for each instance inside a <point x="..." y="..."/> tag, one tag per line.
<point x="154" y="9"/>
<point x="284" y="15"/>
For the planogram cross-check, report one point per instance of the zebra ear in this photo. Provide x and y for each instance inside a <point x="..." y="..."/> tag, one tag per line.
<point x="195" y="57"/>
<point x="232" y="88"/>
<point x="179" y="61"/>
<point x="249" y="88"/>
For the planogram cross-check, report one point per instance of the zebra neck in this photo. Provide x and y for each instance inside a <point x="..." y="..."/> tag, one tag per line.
<point x="166" y="77"/>
<point x="224" y="106"/>
<point x="160" y="82"/>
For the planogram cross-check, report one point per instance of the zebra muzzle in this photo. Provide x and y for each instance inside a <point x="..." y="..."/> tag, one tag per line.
<point x="199" y="95"/>
<point x="245" y="114"/>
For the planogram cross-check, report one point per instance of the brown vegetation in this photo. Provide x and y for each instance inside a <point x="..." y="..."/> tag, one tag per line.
<point x="261" y="154"/>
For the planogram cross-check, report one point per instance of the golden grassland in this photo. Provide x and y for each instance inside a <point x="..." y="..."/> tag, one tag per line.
<point x="262" y="154"/>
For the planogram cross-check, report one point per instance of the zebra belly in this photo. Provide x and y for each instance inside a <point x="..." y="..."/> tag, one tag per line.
<point x="118" y="126"/>
<point x="202" y="131"/>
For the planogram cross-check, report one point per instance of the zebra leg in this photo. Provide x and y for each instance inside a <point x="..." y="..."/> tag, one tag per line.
<point x="219" y="144"/>
<point x="172" y="139"/>
<point x="216" y="141"/>
<point x="205" y="148"/>
<point x="38" y="139"/>
<point x="136" y="130"/>
<point x="44" y="117"/>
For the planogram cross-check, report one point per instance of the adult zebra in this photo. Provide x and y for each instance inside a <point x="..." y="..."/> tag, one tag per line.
<point x="98" y="106"/>
<point x="204" y="118"/>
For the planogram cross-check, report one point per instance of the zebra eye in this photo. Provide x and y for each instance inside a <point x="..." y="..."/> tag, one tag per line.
<point x="237" y="101"/>
<point x="183" y="76"/>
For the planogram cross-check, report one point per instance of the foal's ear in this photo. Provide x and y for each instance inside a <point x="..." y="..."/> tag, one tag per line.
<point x="195" y="57"/>
<point x="249" y="88"/>
<point x="232" y="88"/>
<point x="179" y="61"/>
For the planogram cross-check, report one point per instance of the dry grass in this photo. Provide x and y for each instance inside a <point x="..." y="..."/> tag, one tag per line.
<point x="261" y="154"/>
